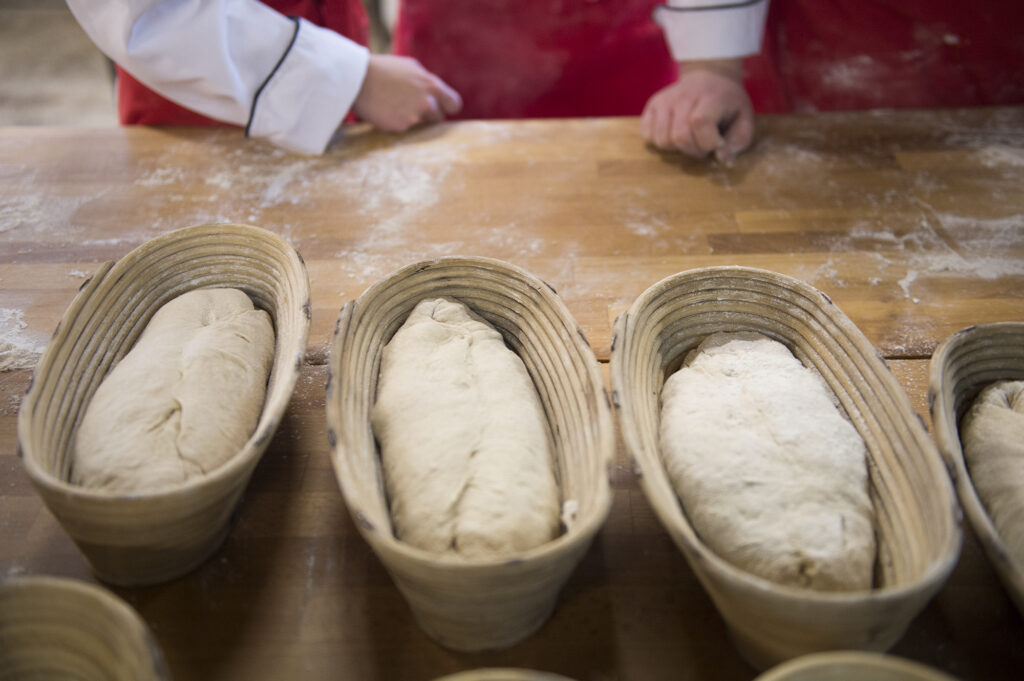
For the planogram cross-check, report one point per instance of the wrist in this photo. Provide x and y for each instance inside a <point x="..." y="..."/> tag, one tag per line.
<point x="727" y="68"/>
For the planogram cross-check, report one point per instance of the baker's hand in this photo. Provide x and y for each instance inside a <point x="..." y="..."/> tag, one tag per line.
<point x="399" y="93"/>
<point x="705" y="111"/>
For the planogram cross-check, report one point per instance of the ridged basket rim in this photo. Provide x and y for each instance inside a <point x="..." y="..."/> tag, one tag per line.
<point x="502" y="674"/>
<point x="947" y="436"/>
<point x="386" y="542"/>
<point x="104" y="598"/>
<point x="230" y="468"/>
<point x="937" y="570"/>
<point x="867" y="661"/>
<point x="108" y="599"/>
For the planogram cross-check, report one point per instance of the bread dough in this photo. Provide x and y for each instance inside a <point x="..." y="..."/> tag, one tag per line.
<point x="993" y="440"/>
<point x="771" y="475"/>
<point x="183" y="401"/>
<point x="463" y="438"/>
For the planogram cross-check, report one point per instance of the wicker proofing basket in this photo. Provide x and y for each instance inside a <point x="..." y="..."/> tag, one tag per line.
<point x="502" y="674"/>
<point x="151" y="537"/>
<point x="851" y="665"/>
<point x="52" y="629"/>
<point x="961" y="366"/>
<point x="917" y="517"/>
<point x="475" y="605"/>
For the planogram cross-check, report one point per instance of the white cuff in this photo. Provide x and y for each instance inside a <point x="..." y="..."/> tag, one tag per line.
<point x="306" y="97"/>
<point x="703" y="29"/>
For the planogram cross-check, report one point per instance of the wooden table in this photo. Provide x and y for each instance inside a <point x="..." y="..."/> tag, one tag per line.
<point x="912" y="222"/>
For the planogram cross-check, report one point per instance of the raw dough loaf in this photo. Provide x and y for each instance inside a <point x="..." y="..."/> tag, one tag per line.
<point x="993" y="439"/>
<point x="770" y="474"/>
<point x="185" y="398"/>
<point x="463" y="438"/>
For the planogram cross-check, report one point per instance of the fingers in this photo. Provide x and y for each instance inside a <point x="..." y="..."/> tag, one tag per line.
<point x="738" y="137"/>
<point x="431" y="111"/>
<point x="448" y="99"/>
<point x="647" y="118"/>
<point x="682" y="135"/>
<point x="704" y="121"/>
<point x="657" y="126"/>
<point x="664" y="122"/>
<point x="680" y="123"/>
<point x="703" y="112"/>
<point x="698" y="131"/>
<point x="440" y="100"/>
<point x="398" y="93"/>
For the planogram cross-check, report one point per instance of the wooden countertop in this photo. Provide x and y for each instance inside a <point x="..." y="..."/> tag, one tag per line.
<point x="912" y="222"/>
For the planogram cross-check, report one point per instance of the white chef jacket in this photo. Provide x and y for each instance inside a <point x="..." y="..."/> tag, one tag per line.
<point x="292" y="82"/>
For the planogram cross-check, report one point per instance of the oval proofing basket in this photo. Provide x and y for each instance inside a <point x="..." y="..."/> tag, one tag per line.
<point x="475" y="605"/>
<point x="55" y="628"/>
<point x="502" y="674"/>
<point x="151" y="537"/>
<point x="917" y="518"/>
<point x="850" y="665"/>
<point x="961" y="366"/>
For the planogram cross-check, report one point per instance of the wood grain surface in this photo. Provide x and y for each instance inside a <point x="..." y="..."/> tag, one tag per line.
<point x="912" y="222"/>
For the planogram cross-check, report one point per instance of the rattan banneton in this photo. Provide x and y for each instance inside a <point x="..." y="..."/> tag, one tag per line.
<point x="57" y="628"/>
<point x="917" y="516"/>
<point x="852" y="665"/>
<point x="961" y="366"/>
<point x="475" y="605"/>
<point x="151" y="537"/>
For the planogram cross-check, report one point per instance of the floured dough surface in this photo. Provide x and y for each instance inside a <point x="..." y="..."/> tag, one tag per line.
<point x="992" y="433"/>
<point x="463" y="438"/>
<point x="183" y="401"/>
<point x="771" y="475"/>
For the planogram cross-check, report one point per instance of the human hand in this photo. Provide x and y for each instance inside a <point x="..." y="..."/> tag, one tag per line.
<point x="706" y="110"/>
<point x="398" y="93"/>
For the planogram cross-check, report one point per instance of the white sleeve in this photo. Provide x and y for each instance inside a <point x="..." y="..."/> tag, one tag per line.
<point x="710" y="29"/>
<point x="237" y="61"/>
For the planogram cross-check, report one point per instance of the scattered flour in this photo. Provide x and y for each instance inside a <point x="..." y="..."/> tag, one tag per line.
<point x="850" y="74"/>
<point x="399" y="182"/>
<point x="280" y="188"/>
<point x="25" y="208"/>
<point x="1001" y="156"/>
<point x="905" y="283"/>
<point x="19" y="348"/>
<point x="161" y="177"/>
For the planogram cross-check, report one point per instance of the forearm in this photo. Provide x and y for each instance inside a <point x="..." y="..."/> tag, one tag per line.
<point x="234" y="60"/>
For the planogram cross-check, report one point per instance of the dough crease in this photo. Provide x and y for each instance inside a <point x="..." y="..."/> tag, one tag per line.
<point x="183" y="401"/>
<point x="463" y="438"/>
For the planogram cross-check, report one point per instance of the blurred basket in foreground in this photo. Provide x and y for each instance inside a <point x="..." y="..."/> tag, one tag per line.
<point x="54" y="628"/>
<point x="850" y="665"/>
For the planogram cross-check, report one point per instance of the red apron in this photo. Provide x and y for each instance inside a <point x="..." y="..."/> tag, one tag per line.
<point x="511" y="58"/>
<point x="138" y="104"/>
<point x="553" y="58"/>
<point x="863" y="54"/>
<point x="539" y="58"/>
